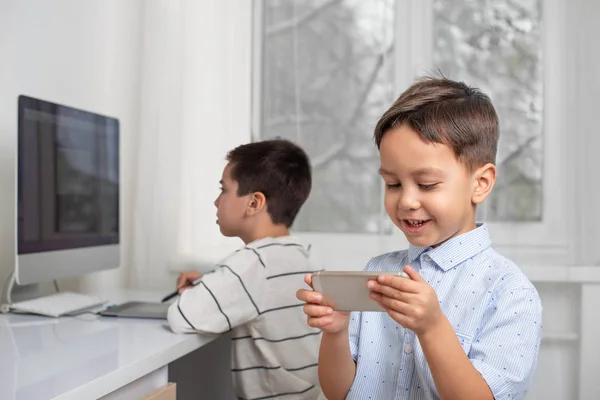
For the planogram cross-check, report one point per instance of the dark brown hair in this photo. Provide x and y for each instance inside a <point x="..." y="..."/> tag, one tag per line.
<point x="277" y="168"/>
<point x="447" y="112"/>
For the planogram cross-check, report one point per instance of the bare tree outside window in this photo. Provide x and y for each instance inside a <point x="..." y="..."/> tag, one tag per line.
<point x="327" y="76"/>
<point x="497" y="46"/>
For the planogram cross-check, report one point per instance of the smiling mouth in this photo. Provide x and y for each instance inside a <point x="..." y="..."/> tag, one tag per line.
<point x="416" y="225"/>
<point x="415" y="222"/>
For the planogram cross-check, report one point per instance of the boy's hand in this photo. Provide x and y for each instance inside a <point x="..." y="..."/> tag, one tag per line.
<point x="185" y="279"/>
<point x="410" y="302"/>
<point x="319" y="315"/>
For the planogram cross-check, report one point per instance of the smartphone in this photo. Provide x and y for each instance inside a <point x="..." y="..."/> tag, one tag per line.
<point x="347" y="290"/>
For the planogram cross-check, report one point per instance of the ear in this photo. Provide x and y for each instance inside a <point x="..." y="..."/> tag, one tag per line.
<point x="257" y="203"/>
<point x="483" y="182"/>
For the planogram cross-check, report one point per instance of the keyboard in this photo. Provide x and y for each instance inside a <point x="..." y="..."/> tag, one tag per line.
<point x="58" y="304"/>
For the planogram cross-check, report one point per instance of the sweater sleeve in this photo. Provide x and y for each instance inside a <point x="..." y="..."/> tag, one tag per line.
<point x="228" y="297"/>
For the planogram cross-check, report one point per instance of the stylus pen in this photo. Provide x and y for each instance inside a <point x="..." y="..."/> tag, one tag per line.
<point x="175" y="293"/>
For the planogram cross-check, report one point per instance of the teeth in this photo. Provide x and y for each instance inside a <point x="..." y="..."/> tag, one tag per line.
<point x="416" y="223"/>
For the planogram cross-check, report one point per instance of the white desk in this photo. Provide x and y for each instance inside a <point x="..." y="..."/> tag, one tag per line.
<point x="87" y="357"/>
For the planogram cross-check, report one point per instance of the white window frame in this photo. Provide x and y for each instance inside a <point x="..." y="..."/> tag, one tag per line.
<point x="540" y="243"/>
<point x="547" y="241"/>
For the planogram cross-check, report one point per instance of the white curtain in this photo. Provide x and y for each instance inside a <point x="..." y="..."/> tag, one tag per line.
<point x="194" y="106"/>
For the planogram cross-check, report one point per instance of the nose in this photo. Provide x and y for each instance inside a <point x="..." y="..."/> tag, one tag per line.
<point x="216" y="203"/>
<point x="408" y="200"/>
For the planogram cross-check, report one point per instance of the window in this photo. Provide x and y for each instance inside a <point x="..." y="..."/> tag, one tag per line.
<point x="497" y="46"/>
<point x="327" y="75"/>
<point x="326" y="70"/>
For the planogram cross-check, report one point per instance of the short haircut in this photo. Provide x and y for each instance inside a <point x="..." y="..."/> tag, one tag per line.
<point x="444" y="111"/>
<point x="277" y="168"/>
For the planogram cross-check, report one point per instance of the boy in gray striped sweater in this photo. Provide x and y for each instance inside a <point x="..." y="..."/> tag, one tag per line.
<point x="251" y="292"/>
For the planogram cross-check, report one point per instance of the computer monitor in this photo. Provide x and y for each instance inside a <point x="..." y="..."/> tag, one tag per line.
<point x="67" y="192"/>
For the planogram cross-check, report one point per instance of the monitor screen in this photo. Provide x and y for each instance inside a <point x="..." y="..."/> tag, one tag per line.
<point x="67" y="178"/>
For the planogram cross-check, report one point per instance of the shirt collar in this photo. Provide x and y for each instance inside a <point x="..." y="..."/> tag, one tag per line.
<point x="456" y="250"/>
<point x="283" y="240"/>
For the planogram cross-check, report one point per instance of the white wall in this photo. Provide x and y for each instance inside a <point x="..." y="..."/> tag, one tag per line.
<point x="107" y="56"/>
<point x="81" y="53"/>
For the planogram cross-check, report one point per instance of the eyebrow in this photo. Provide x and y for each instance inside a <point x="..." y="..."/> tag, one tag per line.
<point x="383" y="171"/>
<point x="428" y="171"/>
<point x="420" y="172"/>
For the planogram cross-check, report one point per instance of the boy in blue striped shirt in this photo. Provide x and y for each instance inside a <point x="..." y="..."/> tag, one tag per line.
<point x="468" y="323"/>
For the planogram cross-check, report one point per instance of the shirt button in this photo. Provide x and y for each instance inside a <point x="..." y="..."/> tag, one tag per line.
<point x="408" y="349"/>
<point x="427" y="258"/>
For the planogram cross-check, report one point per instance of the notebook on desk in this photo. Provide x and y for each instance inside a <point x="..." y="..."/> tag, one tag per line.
<point x="138" y="309"/>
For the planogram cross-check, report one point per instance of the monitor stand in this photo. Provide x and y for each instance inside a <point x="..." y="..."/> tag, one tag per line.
<point x="13" y="293"/>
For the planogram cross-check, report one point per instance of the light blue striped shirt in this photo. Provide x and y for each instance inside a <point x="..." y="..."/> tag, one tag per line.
<point x="495" y="311"/>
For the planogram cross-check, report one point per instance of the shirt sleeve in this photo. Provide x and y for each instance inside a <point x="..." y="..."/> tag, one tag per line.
<point x="354" y="333"/>
<point x="506" y="348"/>
<point x="228" y="297"/>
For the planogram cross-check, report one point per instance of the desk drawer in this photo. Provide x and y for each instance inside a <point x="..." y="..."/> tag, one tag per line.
<point x="167" y="392"/>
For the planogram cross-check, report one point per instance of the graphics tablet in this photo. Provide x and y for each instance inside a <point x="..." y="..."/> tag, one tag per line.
<point x="138" y="309"/>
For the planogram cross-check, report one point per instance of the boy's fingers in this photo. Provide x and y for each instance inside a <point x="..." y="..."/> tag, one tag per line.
<point x="319" y="322"/>
<point x="389" y="291"/>
<point x="181" y="281"/>
<point x="185" y="278"/>
<point x="301" y="294"/>
<point x="313" y="310"/>
<point x="309" y="296"/>
<point x="376" y="296"/>
<point x="414" y="275"/>
<point x="308" y="280"/>
<point x="399" y="283"/>
<point x="398" y="306"/>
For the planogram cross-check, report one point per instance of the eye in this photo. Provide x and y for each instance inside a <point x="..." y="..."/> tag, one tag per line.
<point x="428" y="186"/>
<point x="392" y="185"/>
